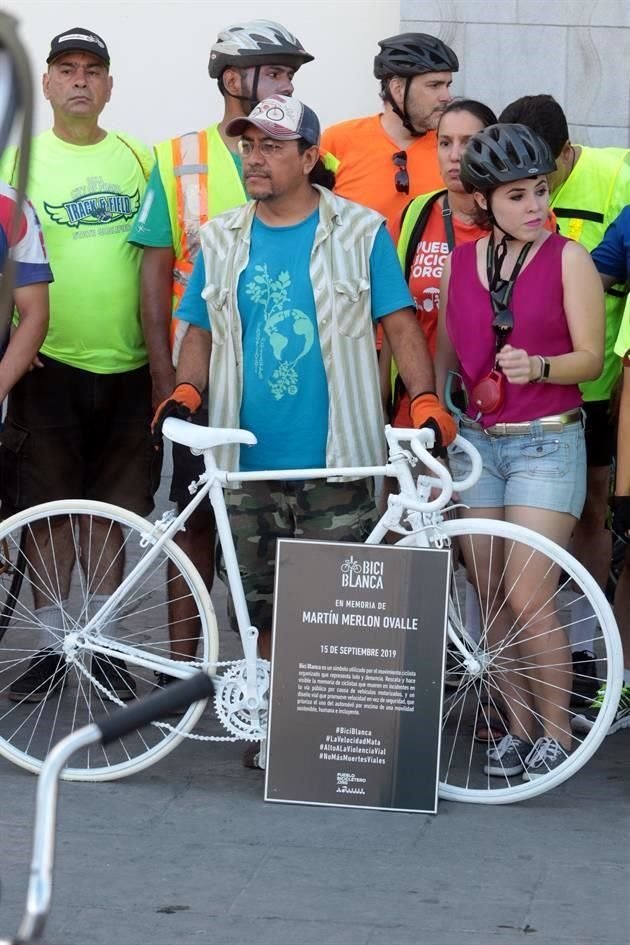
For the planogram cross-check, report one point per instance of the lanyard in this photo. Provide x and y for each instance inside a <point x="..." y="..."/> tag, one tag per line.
<point x="447" y="217"/>
<point x="501" y="289"/>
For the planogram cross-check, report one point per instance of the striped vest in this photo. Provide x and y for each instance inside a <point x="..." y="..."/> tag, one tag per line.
<point x="200" y="181"/>
<point x="340" y="275"/>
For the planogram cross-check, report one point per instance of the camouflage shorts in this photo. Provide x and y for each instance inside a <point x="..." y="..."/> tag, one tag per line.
<point x="262" y="512"/>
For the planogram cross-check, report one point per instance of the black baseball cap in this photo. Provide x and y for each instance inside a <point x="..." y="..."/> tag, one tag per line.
<point x="81" y="39"/>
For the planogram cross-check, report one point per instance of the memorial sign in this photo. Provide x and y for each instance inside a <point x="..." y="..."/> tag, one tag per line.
<point x="357" y="675"/>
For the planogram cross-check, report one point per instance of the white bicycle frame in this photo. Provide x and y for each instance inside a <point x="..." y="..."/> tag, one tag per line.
<point x="414" y="498"/>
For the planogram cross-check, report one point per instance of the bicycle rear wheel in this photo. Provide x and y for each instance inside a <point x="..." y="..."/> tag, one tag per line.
<point x="524" y="661"/>
<point x="68" y="557"/>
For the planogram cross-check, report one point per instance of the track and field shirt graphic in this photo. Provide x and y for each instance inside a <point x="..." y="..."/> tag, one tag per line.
<point x="28" y="250"/>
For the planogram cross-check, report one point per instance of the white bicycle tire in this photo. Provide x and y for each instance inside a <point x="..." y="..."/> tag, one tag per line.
<point x="136" y="527"/>
<point x="610" y="640"/>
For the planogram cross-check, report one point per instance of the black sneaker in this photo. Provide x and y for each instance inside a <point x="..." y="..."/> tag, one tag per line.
<point x="43" y="678"/>
<point x="585" y="681"/>
<point x="114" y="675"/>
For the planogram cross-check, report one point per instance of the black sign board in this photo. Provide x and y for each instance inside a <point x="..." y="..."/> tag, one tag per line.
<point x="357" y="673"/>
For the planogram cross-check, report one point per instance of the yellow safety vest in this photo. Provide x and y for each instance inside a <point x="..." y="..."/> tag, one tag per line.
<point x="200" y="181"/>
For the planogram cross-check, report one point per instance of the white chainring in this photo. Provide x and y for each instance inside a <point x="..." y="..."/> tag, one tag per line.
<point x="230" y="701"/>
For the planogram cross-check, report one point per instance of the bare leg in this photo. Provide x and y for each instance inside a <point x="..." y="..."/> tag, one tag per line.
<point x="198" y="543"/>
<point x="507" y="686"/>
<point x="50" y="551"/>
<point x="544" y="646"/>
<point x="591" y="539"/>
<point x="102" y="554"/>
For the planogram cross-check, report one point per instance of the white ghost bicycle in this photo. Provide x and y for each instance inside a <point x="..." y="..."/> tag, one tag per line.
<point x="84" y="585"/>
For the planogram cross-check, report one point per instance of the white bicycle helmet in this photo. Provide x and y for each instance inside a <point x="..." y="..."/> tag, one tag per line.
<point x="256" y="43"/>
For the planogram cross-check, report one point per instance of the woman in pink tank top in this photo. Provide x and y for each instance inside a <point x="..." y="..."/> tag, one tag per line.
<point x="522" y="322"/>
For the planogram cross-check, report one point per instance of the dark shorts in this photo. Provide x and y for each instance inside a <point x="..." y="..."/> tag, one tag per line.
<point x="72" y="434"/>
<point x="186" y="467"/>
<point x="262" y="512"/>
<point x="601" y="433"/>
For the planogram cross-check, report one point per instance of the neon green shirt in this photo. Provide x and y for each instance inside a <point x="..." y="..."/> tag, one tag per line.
<point x="87" y="198"/>
<point x="597" y="190"/>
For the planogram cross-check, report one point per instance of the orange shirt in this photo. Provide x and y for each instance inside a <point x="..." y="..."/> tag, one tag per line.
<point x="424" y="285"/>
<point x="366" y="172"/>
<point x="428" y="263"/>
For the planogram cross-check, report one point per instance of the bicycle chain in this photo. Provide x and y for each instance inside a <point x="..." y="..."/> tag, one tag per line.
<point x="163" y="725"/>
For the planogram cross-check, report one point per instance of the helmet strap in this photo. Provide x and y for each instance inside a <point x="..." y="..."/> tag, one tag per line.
<point x="495" y="222"/>
<point x="252" y="99"/>
<point x="403" y="113"/>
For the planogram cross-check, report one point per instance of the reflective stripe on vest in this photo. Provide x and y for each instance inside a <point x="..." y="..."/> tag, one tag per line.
<point x="185" y="165"/>
<point x="190" y="168"/>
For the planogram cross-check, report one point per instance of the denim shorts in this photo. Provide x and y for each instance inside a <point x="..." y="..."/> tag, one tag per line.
<point x="541" y="470"/>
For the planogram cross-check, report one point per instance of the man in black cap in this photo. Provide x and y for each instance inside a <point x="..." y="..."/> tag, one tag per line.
<point x="78" y="425"/>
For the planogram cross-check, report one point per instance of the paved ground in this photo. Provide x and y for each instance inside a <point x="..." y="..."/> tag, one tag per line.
<point x="188" y="853"/>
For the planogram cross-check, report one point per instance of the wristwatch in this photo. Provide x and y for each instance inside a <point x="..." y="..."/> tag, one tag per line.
<point x="544" y="369"/>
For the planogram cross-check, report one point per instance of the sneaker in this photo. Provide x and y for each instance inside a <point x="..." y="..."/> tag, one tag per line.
<point x="43" y="678"/>
<point x="585" y="681"/>
<point x="508" y="758"/>
<point x="251" y="755"/>
<point x="546" y="755"/>
<point x="114" y="675"/>
<point x="584" y="721"/>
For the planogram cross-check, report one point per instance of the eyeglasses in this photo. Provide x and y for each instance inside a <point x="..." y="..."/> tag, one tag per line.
<point x="502" y="325"/>
<point x="267" y="147"/>
<point x="401" y="177"/>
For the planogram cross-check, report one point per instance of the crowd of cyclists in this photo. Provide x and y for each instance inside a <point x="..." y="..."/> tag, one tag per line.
<point x="514" y="244"/>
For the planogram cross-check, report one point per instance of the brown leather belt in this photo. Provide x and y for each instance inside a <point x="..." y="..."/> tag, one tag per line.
<point x="554" y="424"/>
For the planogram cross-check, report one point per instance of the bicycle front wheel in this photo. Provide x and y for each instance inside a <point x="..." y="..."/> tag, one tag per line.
<point x="59" y="564"/>
<point x="517" y="673"/>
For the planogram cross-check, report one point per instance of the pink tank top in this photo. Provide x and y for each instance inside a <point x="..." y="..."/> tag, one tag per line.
<point x="540" y="327"/>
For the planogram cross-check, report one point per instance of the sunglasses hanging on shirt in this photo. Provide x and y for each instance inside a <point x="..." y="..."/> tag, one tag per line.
<point x="401" y="177"/>
<point x="488" y="393"/>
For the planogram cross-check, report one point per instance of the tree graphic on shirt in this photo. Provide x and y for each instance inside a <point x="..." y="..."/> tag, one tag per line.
<point x="288" y="330"/>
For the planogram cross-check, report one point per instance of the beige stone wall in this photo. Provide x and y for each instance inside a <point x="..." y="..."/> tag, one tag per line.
<point x="577" y="50"/>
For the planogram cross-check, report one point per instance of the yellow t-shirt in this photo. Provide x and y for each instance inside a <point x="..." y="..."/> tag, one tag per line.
<point x="87" y="198"/>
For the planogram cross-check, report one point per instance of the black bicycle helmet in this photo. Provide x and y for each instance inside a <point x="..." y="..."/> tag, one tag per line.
<point x="410" y="54"/>
<point x="256" y="43"/>
<point x="504" y="153"/>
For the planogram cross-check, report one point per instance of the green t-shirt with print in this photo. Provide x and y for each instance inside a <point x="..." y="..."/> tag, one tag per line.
<point x="87" y="197"/>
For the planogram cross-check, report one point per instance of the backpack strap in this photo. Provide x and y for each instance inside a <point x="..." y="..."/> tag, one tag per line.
<point x="418" y="230"/>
